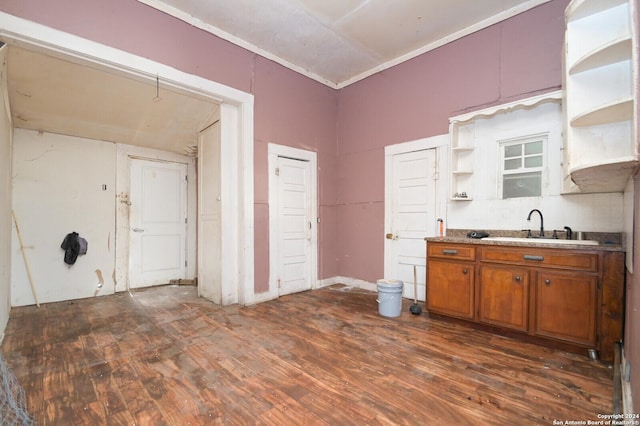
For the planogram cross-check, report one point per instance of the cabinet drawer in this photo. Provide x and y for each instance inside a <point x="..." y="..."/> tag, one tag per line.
<point x="541" y="257"/>
<point x="451" y="251"/>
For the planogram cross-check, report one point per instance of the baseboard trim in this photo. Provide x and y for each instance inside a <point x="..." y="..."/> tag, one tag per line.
<point x="351" y="282"/>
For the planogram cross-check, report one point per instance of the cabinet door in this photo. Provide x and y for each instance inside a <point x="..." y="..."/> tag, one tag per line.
<point x="566" y="307"/>
<point x="450" y="288"/>
<point x="504" y="297"/>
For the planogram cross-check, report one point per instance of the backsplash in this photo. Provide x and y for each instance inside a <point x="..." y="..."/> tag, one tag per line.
<point x="615" y="238"/>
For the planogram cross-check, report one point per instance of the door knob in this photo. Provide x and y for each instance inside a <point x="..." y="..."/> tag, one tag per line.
<point x="138" y="230"/>
<point x="389" y="236"/>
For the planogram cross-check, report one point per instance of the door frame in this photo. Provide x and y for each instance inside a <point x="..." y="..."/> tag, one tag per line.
<point x="238" y="161"/>
<point x="441" y="144"/>
<point x="273" y="152"/>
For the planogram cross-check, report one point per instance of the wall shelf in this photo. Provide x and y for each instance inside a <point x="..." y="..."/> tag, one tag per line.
<point x="615" y="51"/>
<point x="462" y="147"/>
<point x="609" y="113"/>
<point x="579" y="9"/>
<point x="601" y="150"/>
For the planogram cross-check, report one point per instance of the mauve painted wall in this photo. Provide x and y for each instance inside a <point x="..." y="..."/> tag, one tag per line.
<point x="513" y="59"/>
<point x="290" y="109"/>
<point x="294" y="111"/>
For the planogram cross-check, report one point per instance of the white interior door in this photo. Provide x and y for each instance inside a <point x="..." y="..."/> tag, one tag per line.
<point x="294" y="224"/>
<point x="209" y="214"/>
<point x="413" y="215"/>
<point x="158" y="228"/>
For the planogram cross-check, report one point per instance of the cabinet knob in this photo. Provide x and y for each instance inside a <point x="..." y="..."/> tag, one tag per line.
<point x="465" y="271"/>
<point x="518" y="278"/>
<point x="547" y="281"/>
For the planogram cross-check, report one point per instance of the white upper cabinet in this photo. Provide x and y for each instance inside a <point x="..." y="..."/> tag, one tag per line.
<point x="600" y="85"/>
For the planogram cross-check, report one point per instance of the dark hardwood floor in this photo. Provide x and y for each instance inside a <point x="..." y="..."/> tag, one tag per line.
<point x="163" y="356"/>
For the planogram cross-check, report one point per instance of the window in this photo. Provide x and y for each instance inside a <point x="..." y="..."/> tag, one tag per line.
<point x="521" y="170"/>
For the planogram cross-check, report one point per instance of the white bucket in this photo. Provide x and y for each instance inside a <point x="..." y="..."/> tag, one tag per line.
<point x="390" y="297"/>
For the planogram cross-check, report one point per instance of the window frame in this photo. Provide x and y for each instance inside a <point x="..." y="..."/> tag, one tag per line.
<point x="521" y="140"/>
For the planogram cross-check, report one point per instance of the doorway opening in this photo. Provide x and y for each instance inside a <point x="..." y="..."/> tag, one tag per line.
<point x="236" y="146"/>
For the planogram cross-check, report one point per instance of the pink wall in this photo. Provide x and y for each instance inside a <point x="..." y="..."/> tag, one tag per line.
<point x="289" y="108"/>
<point x="510" y="60"/>
<point x="294" y="111"/>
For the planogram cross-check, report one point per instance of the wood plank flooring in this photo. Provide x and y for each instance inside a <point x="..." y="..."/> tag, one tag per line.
<point x="163" y="356"/>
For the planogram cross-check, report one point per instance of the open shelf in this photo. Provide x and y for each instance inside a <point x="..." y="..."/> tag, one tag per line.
<point x="582" y="8"/>
<point x="600" y="94"/>
<point x="609" y="113"/>
<point x="616" y="51"/>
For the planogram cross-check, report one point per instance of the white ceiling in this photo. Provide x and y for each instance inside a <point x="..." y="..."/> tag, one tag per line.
<point x="338" y="42"/>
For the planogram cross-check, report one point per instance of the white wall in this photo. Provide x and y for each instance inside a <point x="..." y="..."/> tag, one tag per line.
<point x="582" y="212"/>
<point x="5" y="195"/>
<point x="58" y="188"/>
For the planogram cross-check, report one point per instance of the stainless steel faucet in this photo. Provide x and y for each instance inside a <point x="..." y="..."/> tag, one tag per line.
<point x="541" y="220"/>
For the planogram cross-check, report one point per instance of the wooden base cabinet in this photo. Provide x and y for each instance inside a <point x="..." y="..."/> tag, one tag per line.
<point x="504" y="297"/>
<point x="451" y="291"/>
<point x="572" y="299"/>
<point x="451" y="277"/>
<point x="566" y="307"/>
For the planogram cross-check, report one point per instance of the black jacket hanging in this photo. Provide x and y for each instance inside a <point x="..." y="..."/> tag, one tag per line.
<point x="73" y="245"/>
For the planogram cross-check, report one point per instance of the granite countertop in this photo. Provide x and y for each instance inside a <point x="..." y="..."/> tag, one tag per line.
<point x="608" y="242"/>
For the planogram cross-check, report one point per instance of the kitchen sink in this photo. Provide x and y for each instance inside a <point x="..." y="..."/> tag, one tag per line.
<point x="542" y="241"/>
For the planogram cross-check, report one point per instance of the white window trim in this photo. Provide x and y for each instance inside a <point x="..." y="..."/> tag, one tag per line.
<point x="544" y="136"/>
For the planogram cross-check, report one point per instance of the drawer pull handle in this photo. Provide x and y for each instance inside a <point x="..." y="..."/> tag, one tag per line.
<point x="533" y="257"/>
<point x="448" y="251"/>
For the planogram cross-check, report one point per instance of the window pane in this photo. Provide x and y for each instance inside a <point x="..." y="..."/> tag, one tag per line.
<point x="535" y="161"/>
<point x="522" y="185"/>
<point x="512" y="151"/>
<point x="512" y="164"/>
<point x="533" y="148"/>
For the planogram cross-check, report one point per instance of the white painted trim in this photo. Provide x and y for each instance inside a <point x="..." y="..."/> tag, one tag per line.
<point x="238" y="165"/>
<point x="520" y="103"/>
<point x="440" y="143"/>
<point x="357" y="283"/>
<point x="273" y="152"/>
<point x="244" y="173"/>
<point x="351" y="282"/>
<point x="183" y="16"/>
<point x="523" y="7"/>
<point x="198" y="23"/>
<point x="4" y="83"/>
<point x="229" y="178"/>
